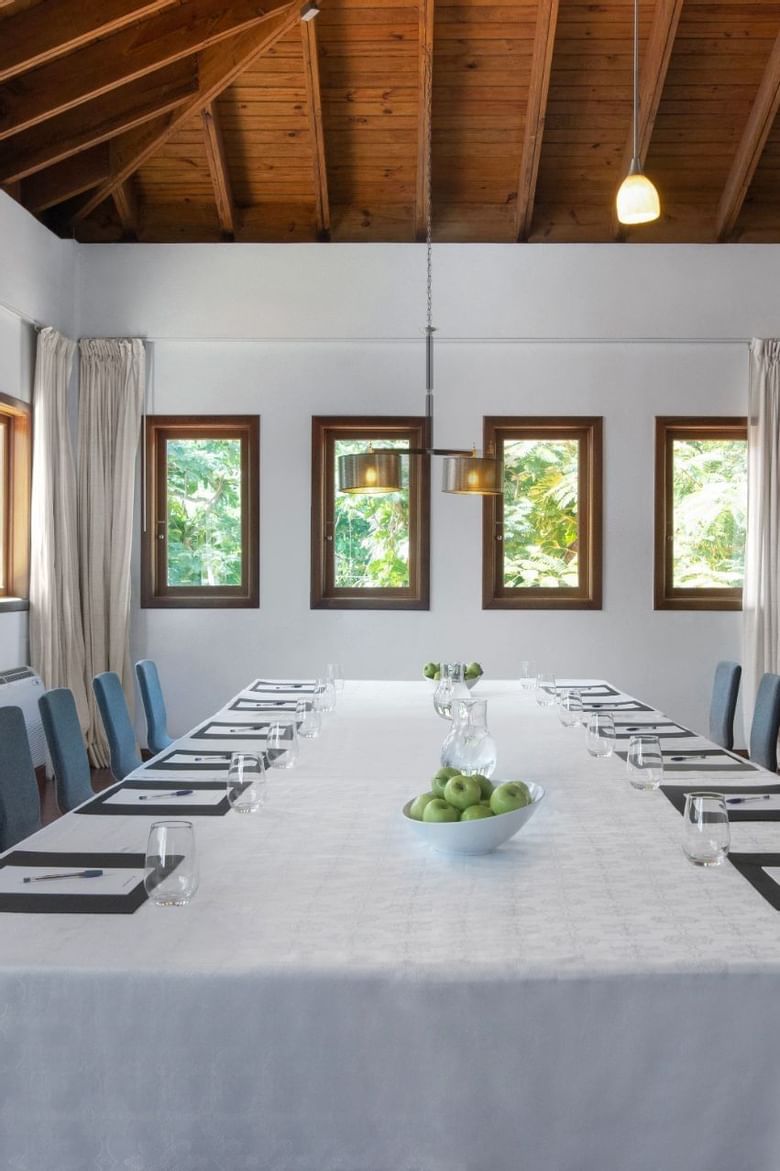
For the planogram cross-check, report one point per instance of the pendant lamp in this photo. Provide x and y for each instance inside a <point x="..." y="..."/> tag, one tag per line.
<point x="637" y="197"/>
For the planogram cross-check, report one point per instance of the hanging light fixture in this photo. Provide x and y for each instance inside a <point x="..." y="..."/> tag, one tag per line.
<point x="637" y="197"/>
<point x="378" y="470"/>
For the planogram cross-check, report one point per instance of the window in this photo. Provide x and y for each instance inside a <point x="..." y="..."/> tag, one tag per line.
<point x="369" y="552"/>
<point x="700" y="513"/>
<point x="200" y="543"/>
<point x="542" y="536"/>
<point x="14" y="501"/>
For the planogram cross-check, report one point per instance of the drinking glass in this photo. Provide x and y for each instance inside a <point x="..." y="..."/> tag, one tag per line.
<point x="336" y="675"/>
<point x="309" y="719"/>
<point x="570" y="711"/>
<point x="282" y="744"/>
<point x="706" y="835"/>
<point x="442" y="696"/>
<point x="246" y="783"/>
<point x="645" y="762"/>
<point x="527" y="674"/>
<point x="324" y="696"/>
<point x="600" y="734"/>
<point x="546" y="691"/>
<point x="171" y="868"/>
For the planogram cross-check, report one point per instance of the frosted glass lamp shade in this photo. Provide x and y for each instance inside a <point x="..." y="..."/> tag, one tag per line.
<point x="637" y="200"/>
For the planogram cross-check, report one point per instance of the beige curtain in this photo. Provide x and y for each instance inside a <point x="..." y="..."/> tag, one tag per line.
<point x="112" y="381"/>
<point x="56" y="634"/>
<point x="761" y="595"/>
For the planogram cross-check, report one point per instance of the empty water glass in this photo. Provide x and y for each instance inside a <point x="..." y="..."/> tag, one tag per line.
<point x="282" y="744"/>
<point x="546" y="691"/>
<point x="246" y="783"/>
<point x="706" y="834"/>
<point x="309" y="719"/>
<point x="645" y="762"/>
<point x="527" y="674"/>
<point x="324" y="696"/>
<point x="171" y="867"/>
<point x="600" y="734"/>
<point x="336" y="675"/>
<point x="570" y="710"/>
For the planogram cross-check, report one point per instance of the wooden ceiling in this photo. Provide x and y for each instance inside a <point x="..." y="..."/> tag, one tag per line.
<point x="208" y="120"/>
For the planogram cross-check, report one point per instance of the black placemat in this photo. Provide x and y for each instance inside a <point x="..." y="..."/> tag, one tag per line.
<point x="267" y="685"/>
<point x="750" y="812"/>
<point x="194" y="761"/>
<point x="608" y="705"/>
<point x="86" y="904"/>
<point x="596" y="690"/>
<point x="681" y="760"/>
<point x="664" y="730"/>
<point x="176" y="808"/>
<point x="217" y="730"/>
<point x="288" y="706"/>
<point x="751" y="866"/>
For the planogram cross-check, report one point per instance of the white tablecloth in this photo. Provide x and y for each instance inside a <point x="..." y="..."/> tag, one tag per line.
<point x="339" y="998"/>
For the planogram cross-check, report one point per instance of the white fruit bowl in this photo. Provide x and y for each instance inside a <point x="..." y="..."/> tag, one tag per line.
<point x="475" y="837"/>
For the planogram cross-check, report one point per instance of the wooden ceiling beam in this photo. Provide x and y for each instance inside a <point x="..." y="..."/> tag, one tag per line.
<point x="191" y="27"/>
<point x="217" y="68"/>
<point x="311" y="70"/>
<point x="55" y="27"/>
<point x="126" y="204"/>
<point x="218" y="169"/>
<point x="422" y="202"/>
<point x="131" y="105"/>
<point x="751" y="146"/>
<point x="654" y="67"/>
<point x="72" y="177"/>
<point x="536" y="110"/>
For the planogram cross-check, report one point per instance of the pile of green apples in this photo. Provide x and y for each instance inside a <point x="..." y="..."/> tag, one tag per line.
<point x="455" y="797"/>
<point x="433" y="671"/>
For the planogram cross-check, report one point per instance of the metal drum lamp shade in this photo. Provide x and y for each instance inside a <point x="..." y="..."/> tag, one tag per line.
<point x="472" y="475"/>
<point x="370" y="473"/>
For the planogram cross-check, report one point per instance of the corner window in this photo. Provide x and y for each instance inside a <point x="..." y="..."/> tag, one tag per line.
<point x="15" y="462"/>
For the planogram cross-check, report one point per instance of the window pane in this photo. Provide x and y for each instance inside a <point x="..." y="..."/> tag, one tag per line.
<point x="541" y="531"/>
<point x="709" y="501"/>
<point x="203" y="485"/>
<point x="371" y="533"/>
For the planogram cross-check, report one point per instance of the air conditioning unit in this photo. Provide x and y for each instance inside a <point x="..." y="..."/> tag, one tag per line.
<point x="21" y="687"/>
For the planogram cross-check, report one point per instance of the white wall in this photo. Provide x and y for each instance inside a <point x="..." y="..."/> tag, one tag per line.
<point x="343" y="296"/>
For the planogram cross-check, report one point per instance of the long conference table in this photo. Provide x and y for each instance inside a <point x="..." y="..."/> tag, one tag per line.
<point x="338" y="997"/>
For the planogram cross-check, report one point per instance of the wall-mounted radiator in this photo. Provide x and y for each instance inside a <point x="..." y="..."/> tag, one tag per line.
<point x="21" y="687"/>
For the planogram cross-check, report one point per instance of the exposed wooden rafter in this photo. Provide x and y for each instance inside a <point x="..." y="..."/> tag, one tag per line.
<point x="85" y="126"/>
<point x="751" y="146"/>
<point x="218" y="169"/>
<point x="311" y="70"/>
<point x="71" y="177"/>
<point x="217" y="68"/>
<point x="125" y="56"/>
<point x="541" y="64"/>
<point x="422" y="207"/>
<point x="55" y="27"/>
<point x="126" y="204"/>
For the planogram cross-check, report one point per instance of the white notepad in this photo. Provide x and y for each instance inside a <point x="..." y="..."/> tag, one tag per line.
<point x="117" y="881"/>
<point x="133" y="797"/>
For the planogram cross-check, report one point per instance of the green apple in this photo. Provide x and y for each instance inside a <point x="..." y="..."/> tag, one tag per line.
<point x="511" y="795"/>
<point x="439" y="810"/>
<point x="484" y="784"/>
<point x="473" y="671"/>
<point x="417" y="807"/>
<point x="462" y="792"/>
<point x="476" y="812"/>
<point x="440" y="780"/>
<point x="430" y="669"/>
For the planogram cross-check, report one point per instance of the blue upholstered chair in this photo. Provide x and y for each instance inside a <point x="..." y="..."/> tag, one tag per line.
<point x="154" y="706"/>
<point x="766" y="723"/>
<point x="20" y="804"/>
<point x="117" y="723"/>
<point x="69" y="759"/>
<point x="724" y="703"/>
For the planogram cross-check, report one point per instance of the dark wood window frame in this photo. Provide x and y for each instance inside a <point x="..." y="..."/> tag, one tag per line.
<point x="17" y="438"/>
<point x="326" y="429"/>
<point x="667" y="429"/>
<point x="155" y="592"/>
<point x="588" y="430"/>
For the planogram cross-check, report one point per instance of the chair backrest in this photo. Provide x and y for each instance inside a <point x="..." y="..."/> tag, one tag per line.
<point x="20" y="803"/>
<point x="766" y="723"/>
<point x="725" y="690"/>
<point x="116" y="721"/>
<point x="154" y="705"/>
<point x="69" y="759"/>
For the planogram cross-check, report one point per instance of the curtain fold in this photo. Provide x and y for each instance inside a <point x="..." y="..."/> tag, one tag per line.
<point x="56" y="633"/>
<point x="112" y="382"/>
<point x="761" y="595"/>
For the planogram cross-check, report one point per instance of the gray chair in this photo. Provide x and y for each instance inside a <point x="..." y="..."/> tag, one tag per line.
<point x="20" y="803"/>
<point x="154" y="706"/>
<point x="766" y="723"/>
<point x="725" y="690"/>
<point x="117" y="723"/>
<point x="62" y="729"/>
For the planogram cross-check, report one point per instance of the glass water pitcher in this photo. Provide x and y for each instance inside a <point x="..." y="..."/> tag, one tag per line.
<point x="469" y="747"/>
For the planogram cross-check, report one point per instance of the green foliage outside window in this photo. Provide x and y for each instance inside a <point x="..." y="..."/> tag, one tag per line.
<point x="371" y="533"/>
<point x="709" y="512"/>
<point x="203" y="486"/>
<point x="541" y="478"/>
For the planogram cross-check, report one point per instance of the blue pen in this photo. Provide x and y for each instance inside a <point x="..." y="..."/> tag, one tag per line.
<point x="73" y="874"/>
<point x="159" y="796"/>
